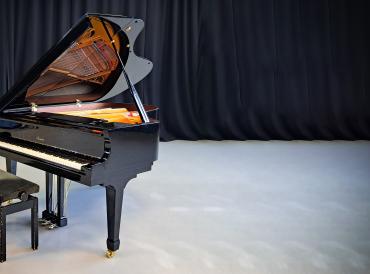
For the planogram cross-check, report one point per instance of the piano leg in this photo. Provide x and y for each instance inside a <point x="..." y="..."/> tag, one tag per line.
<point x="61" y="220"/>
<point x="49" y="193"/>
<point x="11" y="166"/>
<point x="114" y="196"/>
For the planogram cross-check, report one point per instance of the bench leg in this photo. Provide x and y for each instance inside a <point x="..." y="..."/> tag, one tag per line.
<point x="2" y="235"/>
<point x="34" y="224"/>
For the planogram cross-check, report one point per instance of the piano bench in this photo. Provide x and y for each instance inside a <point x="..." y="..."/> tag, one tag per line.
<point x="13" y="187"/>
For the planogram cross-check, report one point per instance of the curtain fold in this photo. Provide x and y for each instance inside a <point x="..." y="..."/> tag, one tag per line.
<point x="226" y="69"/>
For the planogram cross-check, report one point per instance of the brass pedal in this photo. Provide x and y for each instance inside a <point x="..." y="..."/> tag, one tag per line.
<point x="45" y="223"/>
<point x="52" y="226"/>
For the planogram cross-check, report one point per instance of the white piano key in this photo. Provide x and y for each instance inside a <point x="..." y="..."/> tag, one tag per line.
<point x="42" y="155"/>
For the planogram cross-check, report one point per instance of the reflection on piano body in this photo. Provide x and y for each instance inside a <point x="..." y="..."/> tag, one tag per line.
<point x="56" y="118"/>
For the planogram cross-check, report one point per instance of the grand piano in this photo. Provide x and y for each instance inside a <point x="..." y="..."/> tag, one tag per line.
<point x="57" y="117"/>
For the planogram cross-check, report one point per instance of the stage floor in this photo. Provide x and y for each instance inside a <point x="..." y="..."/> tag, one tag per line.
<point x="216" y="207"/>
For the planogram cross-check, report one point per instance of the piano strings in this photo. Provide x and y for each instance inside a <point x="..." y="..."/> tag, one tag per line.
<point x="120" y="115"/>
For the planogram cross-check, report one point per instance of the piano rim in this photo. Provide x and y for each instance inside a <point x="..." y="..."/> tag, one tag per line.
<point x="151" y="110"/>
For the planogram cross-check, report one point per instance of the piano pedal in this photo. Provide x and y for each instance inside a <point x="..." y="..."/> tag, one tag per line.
<point x="52" y="226"/>
<point x="44" y="222"/>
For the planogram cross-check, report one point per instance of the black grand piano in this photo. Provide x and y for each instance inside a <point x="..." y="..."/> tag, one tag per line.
<point x="57" y="119"/>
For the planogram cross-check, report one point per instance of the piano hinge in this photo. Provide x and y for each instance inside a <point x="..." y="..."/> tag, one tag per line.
<point x="78" y="103"/>
<point x="34" y="107"/>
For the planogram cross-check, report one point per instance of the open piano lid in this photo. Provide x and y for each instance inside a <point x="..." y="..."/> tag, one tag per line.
<point x="83" y="66"/>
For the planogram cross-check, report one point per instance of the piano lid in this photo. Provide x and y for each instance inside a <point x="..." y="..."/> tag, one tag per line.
<point x="83" y="65"/>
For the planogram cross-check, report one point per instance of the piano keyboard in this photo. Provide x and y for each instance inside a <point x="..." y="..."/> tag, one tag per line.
<point x="52" y="157"/>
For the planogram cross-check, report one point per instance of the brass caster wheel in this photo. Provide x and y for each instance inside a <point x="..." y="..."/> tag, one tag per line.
<point x="110" y="254"/>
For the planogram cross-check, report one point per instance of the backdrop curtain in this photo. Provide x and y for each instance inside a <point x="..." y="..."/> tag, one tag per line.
<point x="226" y="69"/>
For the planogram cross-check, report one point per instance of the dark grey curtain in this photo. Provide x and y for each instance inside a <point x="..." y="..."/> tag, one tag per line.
<point x="226" y="69"/>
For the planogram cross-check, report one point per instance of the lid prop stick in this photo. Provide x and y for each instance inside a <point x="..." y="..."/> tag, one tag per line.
<point x="134" y="94"/>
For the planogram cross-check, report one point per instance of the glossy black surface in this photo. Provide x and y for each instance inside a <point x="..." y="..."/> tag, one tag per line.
<point x="114" y="152"/>
<point x="118" y="152"/>
<point x="122" y="32"/>
<point x="111" y="148"/>
<point x="17" y="95"/>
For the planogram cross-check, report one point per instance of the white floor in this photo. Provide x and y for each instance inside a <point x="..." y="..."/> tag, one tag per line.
<point x="217" y="207"/>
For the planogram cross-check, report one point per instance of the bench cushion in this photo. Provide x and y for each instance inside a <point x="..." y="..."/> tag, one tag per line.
<point x="11" y="186"/>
